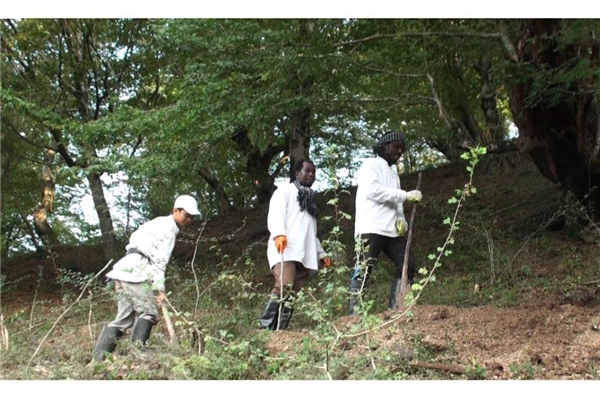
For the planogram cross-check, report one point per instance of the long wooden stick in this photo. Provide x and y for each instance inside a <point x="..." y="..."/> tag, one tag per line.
<point x="280" y="294"/>
<point x="169" y="323"/>
<point x="404" y="287"/>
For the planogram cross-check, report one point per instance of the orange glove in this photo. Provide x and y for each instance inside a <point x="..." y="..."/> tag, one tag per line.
<point x="326" y="262"/>
<point x="280" y="243"/>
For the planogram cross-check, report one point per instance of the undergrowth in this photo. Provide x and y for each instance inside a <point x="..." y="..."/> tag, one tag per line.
<point x="216" y="309"/>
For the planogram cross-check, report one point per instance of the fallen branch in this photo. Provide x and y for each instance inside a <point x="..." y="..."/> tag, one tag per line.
<point x="442" y="367"/>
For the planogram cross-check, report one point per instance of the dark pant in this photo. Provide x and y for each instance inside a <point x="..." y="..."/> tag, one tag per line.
<point x="294" y="277"/>
<point x="394" y="248"/>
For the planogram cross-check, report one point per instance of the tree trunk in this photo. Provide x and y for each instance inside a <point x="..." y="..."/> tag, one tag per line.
<point x="79" y="41"/>
<point x="460" y="137"/>
<point x="496" y="133"/>
<point x="109" y="239"/>
<point x="299" y="137"/>
<point x="3" y="167"/>
<point x="562" y="134"/>
<point x="31" y="229"/>
<point x="258" y="163"/>
<point x="41" y="214"/>
<point x="224" y="203"/>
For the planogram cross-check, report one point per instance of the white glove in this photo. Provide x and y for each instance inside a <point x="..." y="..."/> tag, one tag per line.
<point x="414" y="196"/>
<point x="401" y="227"/>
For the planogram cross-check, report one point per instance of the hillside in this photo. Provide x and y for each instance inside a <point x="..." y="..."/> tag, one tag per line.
<point x="518" y="298"/>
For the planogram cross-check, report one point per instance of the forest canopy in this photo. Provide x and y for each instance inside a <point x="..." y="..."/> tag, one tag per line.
<point x="129" y="113"/>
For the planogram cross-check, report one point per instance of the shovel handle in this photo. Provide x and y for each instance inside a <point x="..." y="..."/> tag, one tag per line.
<point x="404" y="286"/>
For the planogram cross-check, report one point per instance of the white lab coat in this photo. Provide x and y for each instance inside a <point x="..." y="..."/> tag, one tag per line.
<point x="300" y="228"/>
<point x="379" y="198"/>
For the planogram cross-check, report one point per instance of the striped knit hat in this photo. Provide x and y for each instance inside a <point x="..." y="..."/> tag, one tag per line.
<point x="391" y="136"/>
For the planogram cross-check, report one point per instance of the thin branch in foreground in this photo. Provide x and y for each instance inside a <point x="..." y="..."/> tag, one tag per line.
<point x="64" y="313"/>
<point x="3" y="334"/>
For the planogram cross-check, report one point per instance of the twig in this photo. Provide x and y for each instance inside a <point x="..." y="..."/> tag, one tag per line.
<point x="33" y="306"/>
<point x="65" y="312"/>
<point x="89" y="324"/>
<point x="324" y="367"/>
<point x="490" y="245"/>
<point x="372" y="359"/>
<point x="194" y="270"/>
<point x="3" y="333"/>
<point x="191" y="324"/>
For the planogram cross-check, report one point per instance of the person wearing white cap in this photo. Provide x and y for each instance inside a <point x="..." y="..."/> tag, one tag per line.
<point x="140" y="273"/>
<point x="380" y="223"/>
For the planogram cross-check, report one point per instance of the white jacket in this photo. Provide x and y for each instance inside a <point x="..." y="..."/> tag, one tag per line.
<point x="379" y="198"/>
<point x="148" y="253"/>
<point x="300" y="228"/>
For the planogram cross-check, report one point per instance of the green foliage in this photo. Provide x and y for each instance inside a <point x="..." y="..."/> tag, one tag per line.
<point x="238" y="360"/>
<point x="524" y="370"/>
<point x="210" y="106"/>
<point x="476" y="371"/>
<point x="162" y="102"/>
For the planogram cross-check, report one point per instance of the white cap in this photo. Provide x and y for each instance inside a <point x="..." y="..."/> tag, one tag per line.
<point x="187" y="203"/>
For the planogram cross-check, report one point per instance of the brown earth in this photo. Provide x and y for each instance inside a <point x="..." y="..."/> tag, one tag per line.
<point x="545" y="340"/>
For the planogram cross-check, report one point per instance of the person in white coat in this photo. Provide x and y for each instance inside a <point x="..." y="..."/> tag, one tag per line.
<point x="380" y="223"/>
<point x="292" y="223"/>
<point x="140" y="273"/>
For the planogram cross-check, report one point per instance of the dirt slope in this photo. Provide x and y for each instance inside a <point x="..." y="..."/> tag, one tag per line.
<point x="549" y="335"/>
<point x="550" y="342"/>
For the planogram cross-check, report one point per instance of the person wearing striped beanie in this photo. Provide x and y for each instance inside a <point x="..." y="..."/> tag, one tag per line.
<point x="380" y="224"/>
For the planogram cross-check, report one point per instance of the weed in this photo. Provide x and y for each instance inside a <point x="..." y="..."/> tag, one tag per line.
<point x="476" y="371"/>
<point x="524" y="370"/>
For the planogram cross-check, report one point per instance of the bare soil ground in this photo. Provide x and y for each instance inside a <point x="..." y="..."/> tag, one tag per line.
<point x="543" y="340"/>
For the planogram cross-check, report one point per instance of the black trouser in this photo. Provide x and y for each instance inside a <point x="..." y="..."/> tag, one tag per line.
<point x="394" y="248"/>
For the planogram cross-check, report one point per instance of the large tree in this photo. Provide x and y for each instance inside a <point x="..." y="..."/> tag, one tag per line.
<point x="59" y="78"/>
<point x="252" y="97"/>
<point x="439" y="79"/>
<point x="554" y="100"/>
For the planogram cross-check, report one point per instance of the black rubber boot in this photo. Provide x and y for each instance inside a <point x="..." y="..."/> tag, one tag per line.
<point x="354" y="299"/>
<point x="141" y="330"/>
<point x="107" y="342"/>
<point x="285" y="315"/>
<point x="270" y="314"/>
<point x="394" y="292"/>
